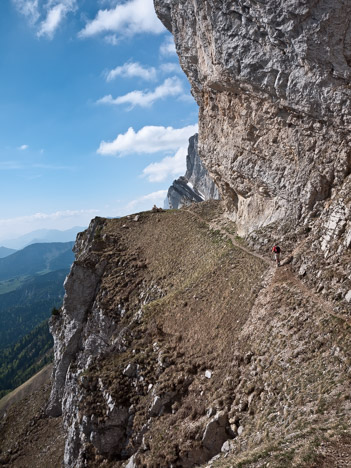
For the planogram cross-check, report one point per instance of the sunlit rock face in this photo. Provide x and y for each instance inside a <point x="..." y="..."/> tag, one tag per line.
<point x="196" y="185"/>
<point x="273" y="82"/>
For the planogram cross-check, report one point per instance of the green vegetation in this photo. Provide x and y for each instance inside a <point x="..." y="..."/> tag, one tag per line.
<point x="26" y="307"/>
<point x="24" y="359"/>
<point x="12" y="284"/>
<point x="31" y="288"/>
<point x="37" y="258"/>
<point x="55" y="312"/>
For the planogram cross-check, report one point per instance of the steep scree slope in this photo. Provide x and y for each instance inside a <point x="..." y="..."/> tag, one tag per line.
<point x="173" y="344"/>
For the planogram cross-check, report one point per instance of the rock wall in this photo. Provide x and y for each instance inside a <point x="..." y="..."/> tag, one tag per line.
<point x="196" y="185"/>
<point x="273" y="83"/>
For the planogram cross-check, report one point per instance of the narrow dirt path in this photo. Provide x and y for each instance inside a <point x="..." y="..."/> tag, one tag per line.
<point x="213" y="225"/>
<point x="324" y="304"/>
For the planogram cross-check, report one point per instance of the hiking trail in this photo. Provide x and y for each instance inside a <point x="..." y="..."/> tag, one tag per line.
<point x="273" y="274"/>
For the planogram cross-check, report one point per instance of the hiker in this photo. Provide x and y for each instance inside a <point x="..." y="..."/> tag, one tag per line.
<point x="276" y="251"/>
<point x="156" y="210"/>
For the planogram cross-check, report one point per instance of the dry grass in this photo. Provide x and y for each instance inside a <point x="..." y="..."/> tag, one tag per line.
<point x="184" y="300"/>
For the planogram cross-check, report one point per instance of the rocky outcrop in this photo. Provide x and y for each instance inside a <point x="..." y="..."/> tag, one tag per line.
<point x="176" y="344"/>
<point x="272" y="80"/>
<point x="196" y="185"/>
<point x="119" y="372"/>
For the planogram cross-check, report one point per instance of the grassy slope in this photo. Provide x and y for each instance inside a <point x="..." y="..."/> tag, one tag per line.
<point x="280" y="361"/>
<point x="208" y="288"/>
<point x="280" y="368"/>
<point x="27" y="437"/>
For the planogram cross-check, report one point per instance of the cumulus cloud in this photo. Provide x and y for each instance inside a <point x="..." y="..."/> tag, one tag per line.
<point x="168" y="47"/>
<point x="170" y="87"/>
<point x="23" y="147"/>
<point x="28" y="8"/>
<point x="136" y="70"/>
<point x="130" y="18"/>
<point x="132" y="70"/>
<point x="57" y="11"/>
<point x="148" y="140"/>
<point x="169" y="166"/>
<point x="52" y="21"/>
<point x="45" y="15"/>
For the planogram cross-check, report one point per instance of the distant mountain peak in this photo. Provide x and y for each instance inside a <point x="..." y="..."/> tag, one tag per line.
<point x="5" y="252"/>
<point x="41" y="236"/>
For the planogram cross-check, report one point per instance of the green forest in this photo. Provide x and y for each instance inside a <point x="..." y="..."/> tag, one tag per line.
<point x="26" y="307"/>
<point x="31" y="286"/>
<point x="30" y="354"/>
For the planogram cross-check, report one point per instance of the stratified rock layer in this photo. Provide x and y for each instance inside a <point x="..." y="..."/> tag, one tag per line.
<point x="273" y="82"/>
<point x="196" y="185"/>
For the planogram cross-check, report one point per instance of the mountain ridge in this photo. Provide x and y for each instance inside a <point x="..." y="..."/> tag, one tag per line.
<point x="41" y="236"/>
<point x="5" y="252"/>
<point x="36" y="258"/>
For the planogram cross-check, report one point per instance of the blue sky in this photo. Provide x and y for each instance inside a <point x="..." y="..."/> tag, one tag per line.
<point x="95" y="112"/>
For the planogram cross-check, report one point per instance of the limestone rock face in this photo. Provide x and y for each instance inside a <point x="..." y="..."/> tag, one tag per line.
<point x="196" y="185"/>
<point x="175" y="345"/>
<point x="273" y="83"/>
<point x="272" y="80"/>
<point x="80" y="290"/>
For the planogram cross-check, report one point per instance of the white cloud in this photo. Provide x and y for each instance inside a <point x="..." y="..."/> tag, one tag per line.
<point x="57" y="11"/>
<point x="28" y="8"/>
<point x="132" y="70"/>
<point x="170" y="87"/>
<point x="168" y="47"/>
<point x="148" y="140"/>
<point x="52" y="21"/>
<point x="147" y="201"/>
<point x="130" y="18"/>
<point x="169" y="166"/>
<point x="12" y="227"/>
<point x="13" y="165"/>
<point x="23" y="147"/>
<point x="46" y="15"/>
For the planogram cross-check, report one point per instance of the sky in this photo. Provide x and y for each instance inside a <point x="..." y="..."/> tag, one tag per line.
<point x="95" y="112"/>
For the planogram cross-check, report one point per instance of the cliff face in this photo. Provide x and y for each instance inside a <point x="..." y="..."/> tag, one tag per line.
<point x="179" y="340"/>
<point x="130" y="353"/>
<point x="196" y="185"/>
<point x="177" y="343"/>
<point x="272" y="80"/>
